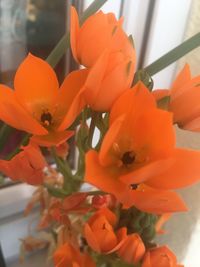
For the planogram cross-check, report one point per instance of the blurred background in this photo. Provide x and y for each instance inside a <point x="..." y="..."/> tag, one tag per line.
<point x="157" y="26"/>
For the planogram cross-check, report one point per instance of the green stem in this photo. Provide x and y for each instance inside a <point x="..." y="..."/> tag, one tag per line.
<point x="65" y="169"/>
<point x="173" y="55"/>
<point x="60" y="49"/>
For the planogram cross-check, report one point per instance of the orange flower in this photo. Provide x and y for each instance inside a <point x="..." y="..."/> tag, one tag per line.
<point x="162" y="257"/>
<point x="110" y="76"/>
<point x="27" y="166"/>
<point x="68" y="256"/>
<point x="99" y="32"/>
<point x="132" y="250"/>
<point x="100" y="234"/>
<point x="102" y="45"/>
<point x="139" y="148"/>
<point x="184" y="104"/>
<point x="37" y="105"/>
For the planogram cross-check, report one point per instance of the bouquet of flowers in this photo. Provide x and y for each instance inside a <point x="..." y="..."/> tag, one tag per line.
<point x="132" y="165"/>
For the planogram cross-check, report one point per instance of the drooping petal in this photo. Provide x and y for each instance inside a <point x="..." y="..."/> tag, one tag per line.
<point x="152" y="200"/>
<point x="36" y="84"/>
<point x="26" y="166"/>
<point x="15" y="115"/>
<point x="52" y="139"/>
<point x="184" y="172"/>
<point x="70" y="97"/>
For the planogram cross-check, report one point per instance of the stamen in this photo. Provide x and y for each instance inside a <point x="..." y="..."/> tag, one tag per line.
<point x="46" y="118"/>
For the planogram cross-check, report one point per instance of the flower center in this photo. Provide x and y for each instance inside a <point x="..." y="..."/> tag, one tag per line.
<point x="46" y="118"/>
<point x="128" y="158"/>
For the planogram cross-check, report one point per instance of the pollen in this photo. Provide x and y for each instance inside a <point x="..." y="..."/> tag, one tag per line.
<point x="46" y="118"/>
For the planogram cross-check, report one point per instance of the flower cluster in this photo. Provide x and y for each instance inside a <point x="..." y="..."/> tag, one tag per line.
<point x="135" y="165"/>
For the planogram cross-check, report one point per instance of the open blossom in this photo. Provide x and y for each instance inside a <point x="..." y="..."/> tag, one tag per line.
<point x="138" y="161"/>
<point x="99" y="32"/>
<point x="37" y="105"/>
<point x="100" y="234"/>
<point x="27" y="166"/>
<point x="68" y="256"/>
<point x="132" y="250"/>
<point x="102" y="46"/>
<point x="161" y="256"/>
<point x="184" y="100"/>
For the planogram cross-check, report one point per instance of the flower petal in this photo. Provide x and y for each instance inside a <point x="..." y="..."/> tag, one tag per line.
<point x="95" y="78"/>
<point x="184" y="172"/>
<point x="114" y="83"/>
<point x="94" y="37"/>
<point x="153" y="201"/>
<point x="106" y="158"/>
<point x="26" y="166"/>
<point x="91" y="238"/>
<point x="148" y="171"/>
<point x="102" y="177"/>
<point x="15" y="115"/>
<point x="183" y="78"/>
<point x="36" y="83"/>
<point x="74" y="31"/>
<point x="70" y="97"/>
<point x="52" y="139"/>
<point x="131" y="100"/>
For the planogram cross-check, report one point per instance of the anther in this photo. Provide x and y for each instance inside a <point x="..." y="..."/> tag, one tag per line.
<point x="46" y="118"/>
<point x="128" y="158"/>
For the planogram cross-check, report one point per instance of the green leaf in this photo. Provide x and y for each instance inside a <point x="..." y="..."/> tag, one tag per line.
<point x="173" y="55"/>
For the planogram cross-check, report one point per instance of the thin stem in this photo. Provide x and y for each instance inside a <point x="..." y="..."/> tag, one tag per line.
<point x="64" y="168"/>
<point x="174" y="55"/>
<point x="60" y="49"/>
